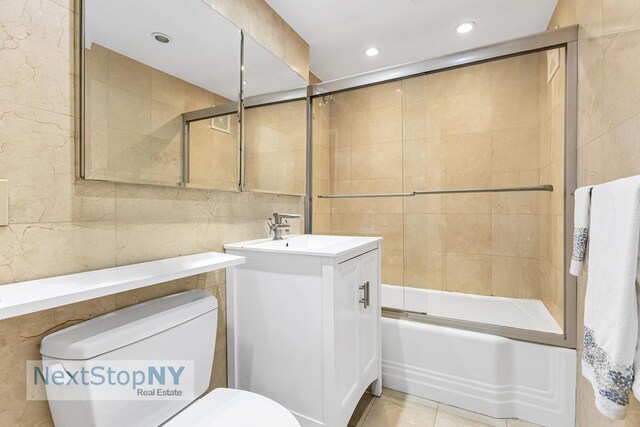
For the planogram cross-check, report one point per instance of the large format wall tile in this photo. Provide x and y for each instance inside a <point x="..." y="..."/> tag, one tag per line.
<point x="19" y="341"/>
<point x="608" y="146"/>
<point x="468" y="113"/>
<point x="459" y="129"/>
<point x="37" y="55"/>
<point x="469" y="80"/>
<point x="36" y="156"/>
<point x="468" y="202"/>
<point x="33" y="251"/>
<point x="469" y="273"/>
<point x="59" y="225"/>
<point x="469" y="233"/>
<point x="468" y="153"/>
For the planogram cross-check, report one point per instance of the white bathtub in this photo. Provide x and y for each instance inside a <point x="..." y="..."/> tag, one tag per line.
<point x="492" y="375"/>
<point x="520" y="313"/>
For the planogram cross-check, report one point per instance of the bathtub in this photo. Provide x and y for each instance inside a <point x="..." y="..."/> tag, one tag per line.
<point x="520" y="313"/>
<point x="484" y="373"/>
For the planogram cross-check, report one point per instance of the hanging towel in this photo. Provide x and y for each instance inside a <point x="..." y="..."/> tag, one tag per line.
<point x="611" y="304"/>
<point x="580" y="228"/>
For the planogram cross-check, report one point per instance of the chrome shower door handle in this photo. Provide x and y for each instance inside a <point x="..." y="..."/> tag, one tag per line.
<point x="365" y="300"/>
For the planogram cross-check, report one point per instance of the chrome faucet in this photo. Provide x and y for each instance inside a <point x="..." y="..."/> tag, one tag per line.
<point x="277" y="226"/>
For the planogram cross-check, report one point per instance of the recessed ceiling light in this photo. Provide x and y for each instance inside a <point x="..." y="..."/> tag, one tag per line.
<point x="465" y="27"/>
<point x="161" y="37"/>
<point x="372" y="51"/>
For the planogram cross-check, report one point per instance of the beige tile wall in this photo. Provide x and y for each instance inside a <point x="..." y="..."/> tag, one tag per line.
<point x="471" y="127"/>
<point x="366" y="157"/>
<point x="608" y="117"/>
<point x="59" y="225"/>
<point x="134" y="126"/>
<point x="275" y="148"/>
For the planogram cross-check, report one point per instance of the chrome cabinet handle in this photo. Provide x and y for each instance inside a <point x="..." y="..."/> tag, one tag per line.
<point x="365" y="301"/>
<point x="367" y="294"/>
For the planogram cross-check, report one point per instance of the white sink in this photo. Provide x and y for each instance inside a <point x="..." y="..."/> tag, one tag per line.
<point x="306" y="244"/>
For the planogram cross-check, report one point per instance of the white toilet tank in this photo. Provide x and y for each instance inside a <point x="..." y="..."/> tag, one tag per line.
<point x="176" y="327"/>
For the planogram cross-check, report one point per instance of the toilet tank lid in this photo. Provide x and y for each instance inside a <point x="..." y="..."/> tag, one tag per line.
<point x="124" y="327"/>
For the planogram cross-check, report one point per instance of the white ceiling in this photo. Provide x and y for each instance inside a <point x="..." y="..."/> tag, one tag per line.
<point x="205" y="46"/>
<point x="339" y="31"/>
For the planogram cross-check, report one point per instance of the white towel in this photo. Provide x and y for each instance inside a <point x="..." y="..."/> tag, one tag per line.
<point x="611" y="304"/>
<point x="580" y="228"/>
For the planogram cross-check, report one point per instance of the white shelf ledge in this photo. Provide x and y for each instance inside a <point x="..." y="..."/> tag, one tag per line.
<point x="21" y="298"/>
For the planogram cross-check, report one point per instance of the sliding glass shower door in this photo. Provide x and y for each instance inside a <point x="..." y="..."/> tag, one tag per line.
<point x="462" y="172"/>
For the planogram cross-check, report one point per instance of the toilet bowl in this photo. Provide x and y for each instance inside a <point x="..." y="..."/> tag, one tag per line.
<point x="233" y="408"/>
<point x="180" y="327"/>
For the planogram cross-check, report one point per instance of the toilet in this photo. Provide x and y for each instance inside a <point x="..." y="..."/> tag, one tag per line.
<point x="180" y="327"/>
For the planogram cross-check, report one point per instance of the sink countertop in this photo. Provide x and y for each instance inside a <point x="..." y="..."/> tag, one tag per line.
<point x="306" y="244"/>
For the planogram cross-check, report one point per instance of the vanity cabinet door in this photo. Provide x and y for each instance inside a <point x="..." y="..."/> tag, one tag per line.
<point x="346" y="318"/>
<point x="368" y="316"/>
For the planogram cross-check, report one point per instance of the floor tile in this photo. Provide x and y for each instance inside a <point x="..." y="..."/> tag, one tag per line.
<point x="387" y="414"/>
<point x="393" y="396"/>
<point x="396" y="409"/>
<point x="519" y="423"/>
<point x="446" y="419"/>
<point x="472" y="416"/>
<point x="362" y="409"/>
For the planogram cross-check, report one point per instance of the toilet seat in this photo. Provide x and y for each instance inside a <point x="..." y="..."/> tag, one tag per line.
<point x="227" y="407"/>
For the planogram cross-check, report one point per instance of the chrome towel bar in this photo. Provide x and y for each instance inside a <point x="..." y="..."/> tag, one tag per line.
<point x="426" y="192"/>
<point x="363" y="196"/>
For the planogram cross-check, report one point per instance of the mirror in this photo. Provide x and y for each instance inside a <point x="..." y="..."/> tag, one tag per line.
<point x="275" y="148"/>
<point x="274" y="129"/>
<point x="265" y="73"/>
<point x="213" y="153"/>
<point x="142" y="71"/>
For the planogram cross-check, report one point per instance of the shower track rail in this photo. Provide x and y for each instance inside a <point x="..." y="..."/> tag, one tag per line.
<point x="427" y="192"/>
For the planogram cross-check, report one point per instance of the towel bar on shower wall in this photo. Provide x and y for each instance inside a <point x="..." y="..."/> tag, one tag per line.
<point x="427" y="192"/>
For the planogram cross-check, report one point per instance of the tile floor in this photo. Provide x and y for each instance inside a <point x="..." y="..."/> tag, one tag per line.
<point x="395" y="409"/>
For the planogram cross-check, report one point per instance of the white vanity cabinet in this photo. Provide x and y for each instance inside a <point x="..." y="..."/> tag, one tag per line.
<point x="356" y="314"/>
<point x="303" y="324"/>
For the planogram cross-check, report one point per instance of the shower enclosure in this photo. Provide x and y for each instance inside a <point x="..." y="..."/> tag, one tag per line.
<point x="465" y="165"/>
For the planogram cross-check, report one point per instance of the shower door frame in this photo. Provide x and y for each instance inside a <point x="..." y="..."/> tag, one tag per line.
<point x="567" y="38"/>
<point x="561" y="38"/>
